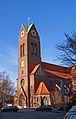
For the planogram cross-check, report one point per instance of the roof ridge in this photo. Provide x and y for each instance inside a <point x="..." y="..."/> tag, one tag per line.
<point x="42" y="89"/>
<point x="27" y="28"/>
<point x="55" y="71"/>
<point x="55" y="65"/>
<point x="59" y="74"/>
<point x="35" y="69"/>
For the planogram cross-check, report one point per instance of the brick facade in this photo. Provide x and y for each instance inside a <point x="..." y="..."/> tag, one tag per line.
<point x="32" y="72"/>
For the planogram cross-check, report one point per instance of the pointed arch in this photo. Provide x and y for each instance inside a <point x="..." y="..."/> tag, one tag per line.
<point x="32" y="49"/>
<point x="45" y="101"/>
<point x="22" y="82"/>
<point x="35" y="49"/>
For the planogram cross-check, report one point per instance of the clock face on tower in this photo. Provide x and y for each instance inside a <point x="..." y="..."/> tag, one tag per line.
<point x="22" y="33"/>
<point x="33" y="32"/>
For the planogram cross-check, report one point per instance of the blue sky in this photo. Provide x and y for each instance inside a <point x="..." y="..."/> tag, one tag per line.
<point x="51" y="17"/>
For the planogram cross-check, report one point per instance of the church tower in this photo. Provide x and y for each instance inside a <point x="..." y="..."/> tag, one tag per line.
<point x="38" y="82"/>
<point x="28" y="57"/>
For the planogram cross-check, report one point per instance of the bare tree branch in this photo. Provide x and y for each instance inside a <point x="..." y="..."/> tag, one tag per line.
<point x="7" y="88"/>
<point x="68" y="50"/>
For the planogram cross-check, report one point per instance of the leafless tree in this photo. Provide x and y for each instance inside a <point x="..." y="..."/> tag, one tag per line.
<point x="7" y="88"/>
<point x="68" y="50"/>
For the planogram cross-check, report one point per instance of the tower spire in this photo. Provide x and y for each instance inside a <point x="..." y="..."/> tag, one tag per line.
<point x="28" y="21"/>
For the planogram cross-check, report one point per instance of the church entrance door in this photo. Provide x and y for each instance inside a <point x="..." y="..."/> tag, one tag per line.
<point x="45" y="102"/>
<point x="21" y="100"/>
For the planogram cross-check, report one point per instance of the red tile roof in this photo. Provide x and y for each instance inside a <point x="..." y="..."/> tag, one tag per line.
<point x="42" y="89"/>
<point x="35" y="69"/>
<point x="57" y="74"/>
<point x="56" y="71"/>
<point x="53" y="67"/>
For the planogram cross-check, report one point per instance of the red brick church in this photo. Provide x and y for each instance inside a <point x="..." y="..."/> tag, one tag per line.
<point x="38" y="82"/>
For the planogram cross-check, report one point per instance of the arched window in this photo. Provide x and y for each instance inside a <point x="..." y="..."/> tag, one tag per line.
<point x="51" y="86"/>
<point x="31" y="48"/>
<point x="21" y="50"/>
<point x="45" y="102"/>
<point x="35" y="49"/>
<point x="22" y="82"/>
